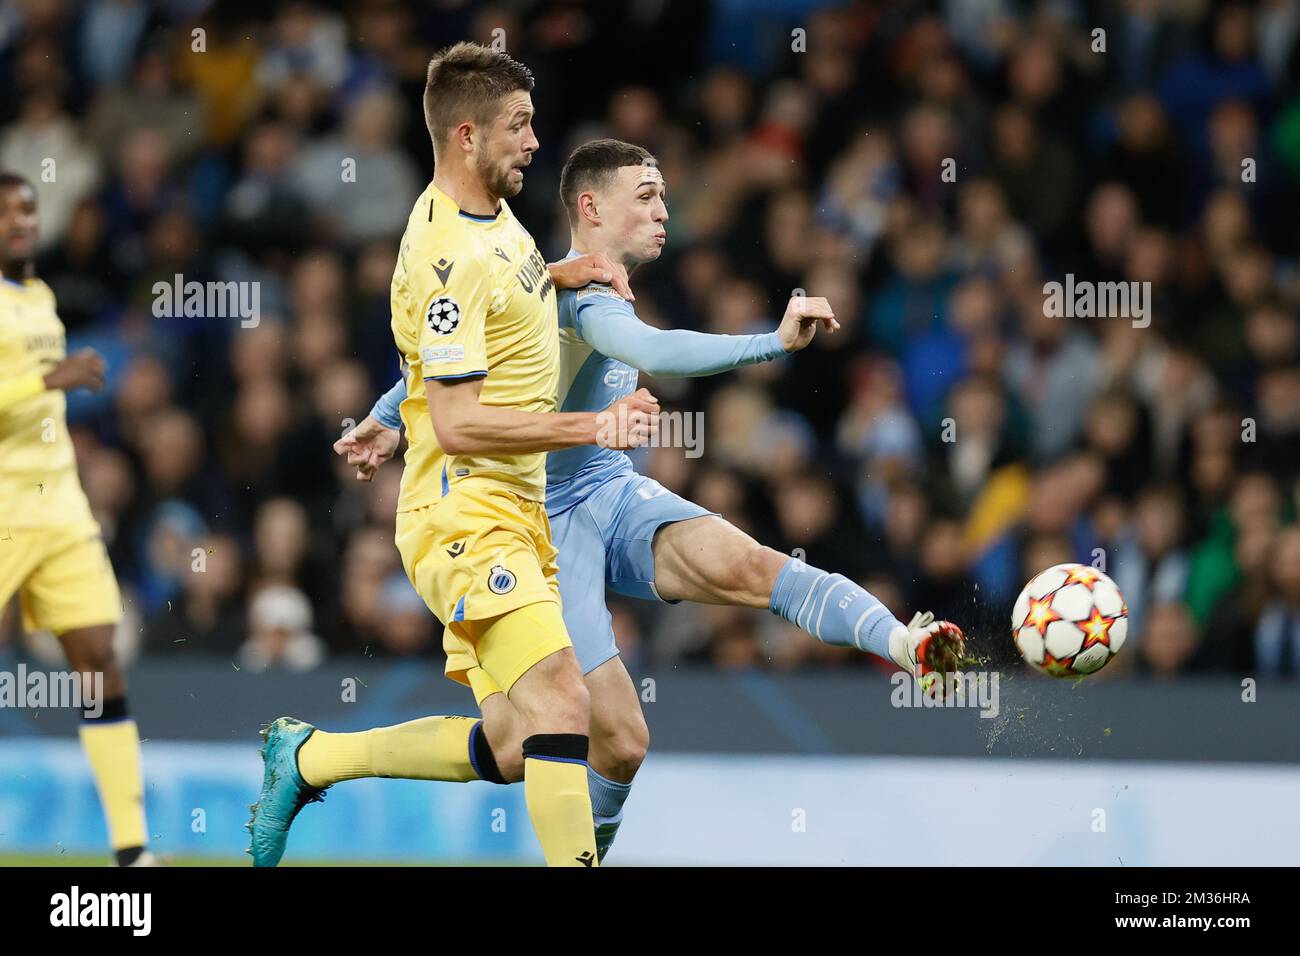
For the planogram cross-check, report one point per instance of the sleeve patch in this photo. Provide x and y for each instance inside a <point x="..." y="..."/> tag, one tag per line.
<point x="442" y="315"/>
<point x="602" y="290"/>
<point x="433" y="354"/>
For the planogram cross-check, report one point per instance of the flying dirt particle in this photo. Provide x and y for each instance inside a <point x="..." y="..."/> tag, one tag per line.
<point x="1106" y="732"/>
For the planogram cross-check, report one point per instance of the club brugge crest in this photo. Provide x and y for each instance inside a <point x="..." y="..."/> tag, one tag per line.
<point x="443" y="315"/>
<point x="500" y="581"/>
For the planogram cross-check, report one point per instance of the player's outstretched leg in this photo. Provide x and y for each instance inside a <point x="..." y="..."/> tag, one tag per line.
<point x="301" y="762"/>
<point x="710" y="561"/>
<point x="111" y="741"/>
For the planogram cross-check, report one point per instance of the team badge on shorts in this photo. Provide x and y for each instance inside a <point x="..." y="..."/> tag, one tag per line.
<point x="443" y="315"/>
<point x="500" y="581"/>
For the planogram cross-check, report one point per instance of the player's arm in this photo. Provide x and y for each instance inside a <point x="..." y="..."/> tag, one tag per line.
<point x="572" y="273"/>
<point x="83" y="369"/>
<point x="452" y="360"/>
<point x="376" y="438"/>
<point x="465" y="426"/>
<point x="611" y="327"/>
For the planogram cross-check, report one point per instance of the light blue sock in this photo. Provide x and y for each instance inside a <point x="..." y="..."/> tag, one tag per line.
<point x="832" y="608"/>
<point x="606" y="809"/>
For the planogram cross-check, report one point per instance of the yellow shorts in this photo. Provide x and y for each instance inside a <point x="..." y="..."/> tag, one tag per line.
<point x="62" y="576"/>
<point x="475" y="557"/>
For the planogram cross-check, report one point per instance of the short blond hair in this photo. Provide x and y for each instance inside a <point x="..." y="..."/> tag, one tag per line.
<point x="466" y="82"/>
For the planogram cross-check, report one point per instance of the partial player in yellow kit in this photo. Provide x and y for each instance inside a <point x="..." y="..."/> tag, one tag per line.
<point x="51" y="552"/>
<point x="473" y="303"/>
<point x="474" y="321"/>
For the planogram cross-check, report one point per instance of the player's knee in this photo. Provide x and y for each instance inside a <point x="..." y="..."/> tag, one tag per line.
<point x="508" y="750"/>
<point x="510" y="762"/>
<point x="573" y="708"/>
<point x="552" y="697"/>
<point x="627" y="751"/>
<point x="94" y="652"/>
<point x="570" y="703"/>
<point x="565" y="710"/>
<point x="503" y="730"/>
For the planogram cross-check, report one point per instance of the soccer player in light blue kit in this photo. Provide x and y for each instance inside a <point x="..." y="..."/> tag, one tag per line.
<point x="616" y="528"/>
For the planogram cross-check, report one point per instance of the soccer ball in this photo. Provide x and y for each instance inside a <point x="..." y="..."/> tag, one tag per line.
<point x="1069" y="621"/>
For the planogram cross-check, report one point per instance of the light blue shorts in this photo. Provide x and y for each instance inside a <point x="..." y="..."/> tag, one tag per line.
<point x="608" y="539"/>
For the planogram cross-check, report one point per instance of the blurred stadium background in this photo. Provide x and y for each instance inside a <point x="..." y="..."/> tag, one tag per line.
<point x="793" y="161"/>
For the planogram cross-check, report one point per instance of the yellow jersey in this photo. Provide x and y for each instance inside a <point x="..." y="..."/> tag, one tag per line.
<point x="472" y="296"/>
<point x="38" y="467"/>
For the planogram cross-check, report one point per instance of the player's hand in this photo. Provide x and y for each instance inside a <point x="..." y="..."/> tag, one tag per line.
<point x="368" y="446"/>
<point x="584" y="270"/>
<point x="630" y="422"/>
<point x="83" y="369"/>
<point x="802" y="316"/>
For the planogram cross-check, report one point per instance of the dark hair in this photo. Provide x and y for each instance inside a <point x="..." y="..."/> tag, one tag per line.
<point x="13" y="181"/>
<point x="466" y="81"/>
<point x="592" y="166"/>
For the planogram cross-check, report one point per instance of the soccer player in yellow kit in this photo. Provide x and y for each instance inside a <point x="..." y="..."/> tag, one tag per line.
<point x="474" y="318"/>
<point x="51" y="551"/>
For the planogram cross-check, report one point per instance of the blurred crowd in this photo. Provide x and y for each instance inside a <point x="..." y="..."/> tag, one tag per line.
<point x="926" y="167"/>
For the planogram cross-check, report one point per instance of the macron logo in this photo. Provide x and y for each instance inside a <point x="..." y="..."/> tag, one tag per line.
<point x="103" y="909"/>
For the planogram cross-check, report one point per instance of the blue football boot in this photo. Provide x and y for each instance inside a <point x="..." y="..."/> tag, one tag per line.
<point x="284" y="792"/>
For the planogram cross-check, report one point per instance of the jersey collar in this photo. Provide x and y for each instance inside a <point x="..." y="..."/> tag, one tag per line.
<point x="447" y="202"/>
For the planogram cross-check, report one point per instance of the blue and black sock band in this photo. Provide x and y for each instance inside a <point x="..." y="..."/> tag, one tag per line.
<point x="563" y="748"/>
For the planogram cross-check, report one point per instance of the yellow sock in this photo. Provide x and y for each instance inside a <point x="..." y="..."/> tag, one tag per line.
<point x="555" y="788"/>
<point x="431" y="748"/>
<point x="113" y="750"/>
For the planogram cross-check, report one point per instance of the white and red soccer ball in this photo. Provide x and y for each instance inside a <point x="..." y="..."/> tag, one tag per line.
<point x="1070" y="620"/>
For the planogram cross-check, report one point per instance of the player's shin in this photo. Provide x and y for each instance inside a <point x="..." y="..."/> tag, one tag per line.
<point x="607" y="798"/>
<point x="832" y="608"/>
<point x="112" y="744"/>
<point x="451" y="748"/>
<point x="559" y="805"/>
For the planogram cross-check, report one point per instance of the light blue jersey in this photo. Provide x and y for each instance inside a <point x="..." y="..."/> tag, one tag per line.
<point x="589" y="381"/>
<point x="602" y="346"/>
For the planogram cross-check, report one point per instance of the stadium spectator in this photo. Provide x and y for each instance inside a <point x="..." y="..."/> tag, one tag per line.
<point x="280" y="635"/>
